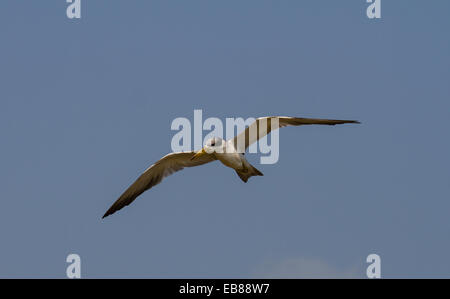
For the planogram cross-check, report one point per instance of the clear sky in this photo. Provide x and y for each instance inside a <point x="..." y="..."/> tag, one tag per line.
<point x="86" y="105"/>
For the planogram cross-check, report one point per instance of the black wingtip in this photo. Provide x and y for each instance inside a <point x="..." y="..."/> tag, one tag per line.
<point x="107" y="214"/>
<point x="340" y="122"/>
<point x="351" y="122"/>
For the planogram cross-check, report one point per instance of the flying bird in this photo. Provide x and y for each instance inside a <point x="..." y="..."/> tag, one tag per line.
<point x="229" y="152"/>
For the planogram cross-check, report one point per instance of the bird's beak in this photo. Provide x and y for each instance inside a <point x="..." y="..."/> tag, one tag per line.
<point x="198" y="154"/>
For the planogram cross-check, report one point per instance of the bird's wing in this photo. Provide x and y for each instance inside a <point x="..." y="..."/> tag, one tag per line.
<point x="155" y="174"/>
<point x="264" y="125"/>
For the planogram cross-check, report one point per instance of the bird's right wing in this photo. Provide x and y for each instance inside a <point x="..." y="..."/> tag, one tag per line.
<point x="154" y="175"/>
<point x="264" y="125"/>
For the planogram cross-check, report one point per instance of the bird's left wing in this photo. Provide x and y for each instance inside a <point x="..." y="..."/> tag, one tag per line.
<point x="264" y="125"/>
<point x="155" y="174"/>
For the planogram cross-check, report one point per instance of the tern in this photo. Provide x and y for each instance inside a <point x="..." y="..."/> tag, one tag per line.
<point x="230" y="153"/>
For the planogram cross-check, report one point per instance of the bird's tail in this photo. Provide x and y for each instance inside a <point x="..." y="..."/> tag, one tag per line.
<point x="251" y="171"/>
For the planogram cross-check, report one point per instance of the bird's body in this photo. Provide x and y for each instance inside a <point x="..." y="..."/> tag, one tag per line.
<point x="227" y="153"/>
<point x="235" y="160"/>
<point x="230" y="153"/>
<point x="232" y="160"/>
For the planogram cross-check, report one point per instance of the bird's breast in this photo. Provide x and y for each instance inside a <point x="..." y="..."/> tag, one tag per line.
<point x="233" y="160"/>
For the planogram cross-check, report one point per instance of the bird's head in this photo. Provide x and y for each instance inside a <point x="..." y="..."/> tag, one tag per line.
<point x="213" y="145"/>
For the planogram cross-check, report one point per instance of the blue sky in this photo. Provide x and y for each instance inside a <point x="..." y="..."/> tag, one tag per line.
<point x="86" y="106"/>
